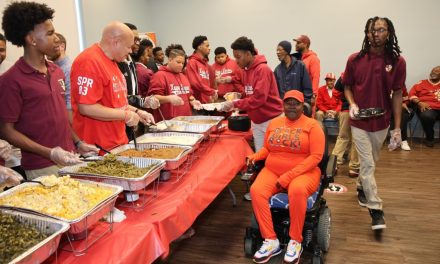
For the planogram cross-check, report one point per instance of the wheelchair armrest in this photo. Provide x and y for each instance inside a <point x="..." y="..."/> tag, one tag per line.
<point x="330" y="170"/>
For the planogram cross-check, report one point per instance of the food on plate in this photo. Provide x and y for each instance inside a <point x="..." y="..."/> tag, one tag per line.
<point x="113" y="167"/>
<point x="232" y="96"/>
<point x="16" y="237"/>
<point x="68" y="199"/>
<point x="161" y="126"/>
<point x="175" y="140"/>
<point x="212" y="107"/>
<point x="161" y="153"/>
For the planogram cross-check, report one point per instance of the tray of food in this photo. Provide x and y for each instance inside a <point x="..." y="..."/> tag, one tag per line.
<point x="173" y="156"/>
<point x="28" y="238"/>
<point x="78" y="202"/>
<point x="182" y="126"/>
<point x="130" y="174"/>
<point x="214" y="120"/>
<point x="171" y="138"/>
<point x="212" y="107"/>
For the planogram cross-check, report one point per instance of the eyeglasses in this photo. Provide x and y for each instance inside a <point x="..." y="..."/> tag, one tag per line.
<point x="380" y="30"/>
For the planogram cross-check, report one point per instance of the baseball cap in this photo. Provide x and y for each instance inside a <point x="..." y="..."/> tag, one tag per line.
<point x="303" y="39"/>
<point x="295" y="94"/>
<point x="330" y="75"/>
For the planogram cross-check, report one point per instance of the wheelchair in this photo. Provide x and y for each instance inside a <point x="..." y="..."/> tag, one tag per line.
<point x="317" y="224"/>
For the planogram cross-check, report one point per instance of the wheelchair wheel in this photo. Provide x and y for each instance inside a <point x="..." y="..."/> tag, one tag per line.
<point x="249" y="247"/>
<point x="324" y="227"/>
<point x="317" y="260"/>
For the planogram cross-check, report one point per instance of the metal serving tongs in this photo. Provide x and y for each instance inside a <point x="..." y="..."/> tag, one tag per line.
<point x="163" y="118"/>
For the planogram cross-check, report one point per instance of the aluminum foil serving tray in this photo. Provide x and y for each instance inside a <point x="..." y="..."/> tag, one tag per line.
<point x="216" y="120"/>
<point x="84" y="221"/>
<point x="188" y="139"/>
<point x="127" y="184"/>
<point x="170" y="164"/>
<point x="186" y="127"/>
<point x="51" y="227"/>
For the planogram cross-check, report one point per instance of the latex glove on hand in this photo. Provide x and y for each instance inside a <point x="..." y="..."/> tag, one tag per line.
<point x="87" y="150"/>
<point x="196" y="104"/>
<point x="354" y="111"/>
<point x="64" y="158"/>
<point x="227" y="79"/>
<point x="215" y="96"/>
<point x="395" y="139"/>
<point x="175" y="99"/>
<point x="9" y="177"/>
<point x="151" y="102"/>
<point x="227" y="106"/>
<point x="131" y="118"/>
<point x="145" y="117"/>
<point x="5" y="150"/>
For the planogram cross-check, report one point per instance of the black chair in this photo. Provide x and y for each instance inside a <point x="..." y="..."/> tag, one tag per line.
<point x="317" y="225"/>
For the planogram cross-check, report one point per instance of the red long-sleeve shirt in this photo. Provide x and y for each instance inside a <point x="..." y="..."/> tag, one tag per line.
<point x="292" y="148"/>
<point x="324" y="102"/>
<point x="198" y="73"/>
<point x="262" y="101"/>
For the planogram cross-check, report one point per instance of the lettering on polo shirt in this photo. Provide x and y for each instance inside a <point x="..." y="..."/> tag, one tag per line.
<point x="84" y="84"/>
<point x="204" y="74"/>
<point x="248" y="89"/>
<point x="177" y="89"/>
<point x="286" y="137"/>
<point x="223" y="72"/>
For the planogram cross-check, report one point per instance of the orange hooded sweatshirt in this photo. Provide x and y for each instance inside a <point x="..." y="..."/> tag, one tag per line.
<point x="313" y="66"/>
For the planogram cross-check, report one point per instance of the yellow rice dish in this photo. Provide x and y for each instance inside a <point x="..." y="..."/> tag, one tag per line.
<point x="68" y="198"/>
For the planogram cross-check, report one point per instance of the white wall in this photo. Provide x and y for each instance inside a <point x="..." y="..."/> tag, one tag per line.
<point x="98" y="13"/>
<point x="335" y="27"/>
<point x="64" y="22"/>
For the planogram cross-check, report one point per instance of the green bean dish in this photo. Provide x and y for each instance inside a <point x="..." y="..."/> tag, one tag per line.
<point x="113" y="167"/>
<point x="16" y="238"/>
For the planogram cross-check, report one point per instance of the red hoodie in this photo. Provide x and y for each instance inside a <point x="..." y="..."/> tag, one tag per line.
<point x="229" y="68"/>
<point x="166" y="82"/>
<point x="198" y="75"/>
<point x="262" y="101"/>
<point x="313" y="66"/>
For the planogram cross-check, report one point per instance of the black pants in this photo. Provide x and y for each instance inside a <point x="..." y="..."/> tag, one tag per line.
<point x="428" y="118"/>
<point x="406" y="117"/>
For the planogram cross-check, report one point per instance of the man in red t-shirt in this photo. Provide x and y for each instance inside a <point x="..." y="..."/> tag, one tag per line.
<point x="426" y="95"/>
<point x="33" y="114"/>
<point x="328" y="101"/>
<point x="370" y="77"/>
<point x="171" y="87"/>
<point x="99" y="90"/>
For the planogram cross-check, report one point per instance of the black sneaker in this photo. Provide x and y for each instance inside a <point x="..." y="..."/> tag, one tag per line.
<point x="362" y="199"/>
<point x="377" y="219"/>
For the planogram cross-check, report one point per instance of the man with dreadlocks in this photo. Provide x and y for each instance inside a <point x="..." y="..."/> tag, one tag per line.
<point x="373" y="76"/>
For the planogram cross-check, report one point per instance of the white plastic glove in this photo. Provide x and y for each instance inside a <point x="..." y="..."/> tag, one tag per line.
<point x="5" y="149"/>
<point x="395" y="139"/>
<point x="175" y="99"/>
<point x="196" y="104"/>
<point x="9" y="177"/>
<point x="354" y="111"/>
<point x="64" y="158"/>
<point x="87" y="150"/>
<point x="215" y="96"/>
<point x="145" y="117"/>
<point x="151" y="102"/>
<point x="227" y="106"/>
<point x="131" y="118"/>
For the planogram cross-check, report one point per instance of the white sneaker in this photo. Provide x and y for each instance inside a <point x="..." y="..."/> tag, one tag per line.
<point x="293" y="252"/>
<point x="405" y="146"/>
<point x="270" y="248"/>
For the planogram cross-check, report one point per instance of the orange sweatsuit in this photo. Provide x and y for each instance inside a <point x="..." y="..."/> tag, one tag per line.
<point x="293" y="150"/>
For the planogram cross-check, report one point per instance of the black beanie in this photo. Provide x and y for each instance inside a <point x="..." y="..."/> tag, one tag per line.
<point x="286" y="46"/>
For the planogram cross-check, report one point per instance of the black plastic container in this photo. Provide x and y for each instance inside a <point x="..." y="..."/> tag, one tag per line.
<point x="239" y="123"/>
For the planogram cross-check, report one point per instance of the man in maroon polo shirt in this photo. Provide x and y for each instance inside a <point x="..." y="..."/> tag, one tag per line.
<point x="371" y="77"/>
<point x="33" y="114"/>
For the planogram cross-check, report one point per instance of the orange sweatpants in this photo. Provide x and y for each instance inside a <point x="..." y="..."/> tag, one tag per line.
<point x="300" y="188"/>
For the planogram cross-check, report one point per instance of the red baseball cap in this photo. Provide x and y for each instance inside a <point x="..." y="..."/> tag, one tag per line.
<point x="303" y="39"/>
<point x="295" y="94"/>
<point x="330" y="75"/>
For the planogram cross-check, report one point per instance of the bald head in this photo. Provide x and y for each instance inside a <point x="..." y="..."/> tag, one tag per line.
<point x="435" y="74"/>
<point x="116" y="41"/>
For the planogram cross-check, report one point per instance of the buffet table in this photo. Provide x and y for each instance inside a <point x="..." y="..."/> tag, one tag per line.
<point x="146" y="235"/>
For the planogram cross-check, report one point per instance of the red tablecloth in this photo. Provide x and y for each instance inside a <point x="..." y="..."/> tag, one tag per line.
<point x="224" y="131"/>
<point x="144" y="236"/>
